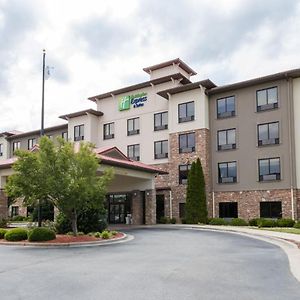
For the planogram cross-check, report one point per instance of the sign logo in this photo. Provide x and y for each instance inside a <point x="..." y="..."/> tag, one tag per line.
<point x="132" y="100"/>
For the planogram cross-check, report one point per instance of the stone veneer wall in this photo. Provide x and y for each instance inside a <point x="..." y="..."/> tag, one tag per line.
<point x="3" y="205"/>
<point x="150" y="207"/>
<point x="137" y="207"/>
<point x="202" y="150"/>
<point x="248" y="202"/>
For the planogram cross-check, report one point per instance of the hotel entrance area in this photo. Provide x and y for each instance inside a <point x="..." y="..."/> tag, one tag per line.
<point x="119" y="208"/>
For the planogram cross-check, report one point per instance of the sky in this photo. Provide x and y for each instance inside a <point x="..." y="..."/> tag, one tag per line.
<point x="97" y="46"/>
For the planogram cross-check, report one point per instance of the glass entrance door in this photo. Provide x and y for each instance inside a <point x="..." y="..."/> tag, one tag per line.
<point x="118" y="208"/>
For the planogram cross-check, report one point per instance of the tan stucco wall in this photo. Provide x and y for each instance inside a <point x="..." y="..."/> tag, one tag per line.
<point x="296" y="103"/>
<point x="169" y="70"/>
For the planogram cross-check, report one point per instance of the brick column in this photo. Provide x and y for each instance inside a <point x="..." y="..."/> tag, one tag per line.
<point x="137" y="207"/>
<point x="3" y="205"/>
<point x="150" y="203"/>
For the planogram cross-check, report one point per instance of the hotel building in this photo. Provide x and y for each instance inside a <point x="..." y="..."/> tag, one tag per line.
<point x="244" y="133"/>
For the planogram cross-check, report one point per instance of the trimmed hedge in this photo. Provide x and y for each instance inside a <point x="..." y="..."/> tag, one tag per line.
<point x="16" y="234"/>
<point x="2" y="233"/>
<point x="40" y="234"/>
<point x="297" y="225"/>
<point x="285" y="223"/>
<point x="218" y="221"/>
<point x="253" y="222"/>
<point x="238" y="222"/>
<point x="266" y="223"/>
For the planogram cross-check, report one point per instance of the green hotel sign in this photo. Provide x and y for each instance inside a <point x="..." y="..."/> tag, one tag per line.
<point x="135" y="101"/>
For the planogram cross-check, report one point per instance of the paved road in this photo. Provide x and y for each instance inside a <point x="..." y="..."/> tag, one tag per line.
<point x="158" y="264"/>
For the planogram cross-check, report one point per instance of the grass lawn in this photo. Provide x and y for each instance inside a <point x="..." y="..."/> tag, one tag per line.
<point x="281" y="229"/>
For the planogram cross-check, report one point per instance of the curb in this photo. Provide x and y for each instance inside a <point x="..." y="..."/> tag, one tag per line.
<point x="123" y="239"/>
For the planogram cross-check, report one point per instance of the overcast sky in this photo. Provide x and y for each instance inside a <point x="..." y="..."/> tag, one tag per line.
<point x="97" y="46"/>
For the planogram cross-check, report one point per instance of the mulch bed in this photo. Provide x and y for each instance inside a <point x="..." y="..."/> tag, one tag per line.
<point x="63" y="238"/>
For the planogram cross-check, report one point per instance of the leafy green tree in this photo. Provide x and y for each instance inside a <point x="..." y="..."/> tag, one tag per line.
<point x="195" y="208"/>
<point x="63" y="175"/>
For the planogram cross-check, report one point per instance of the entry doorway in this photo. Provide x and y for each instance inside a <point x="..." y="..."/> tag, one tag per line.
<point x="119" y="207"/>
<point x="160" y="207"/>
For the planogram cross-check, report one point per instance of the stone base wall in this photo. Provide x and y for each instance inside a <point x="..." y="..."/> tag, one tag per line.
<point x="249" y="202"/>
<point x="3" y="205"/>
<point x="137" y="208"/>
<point x="297" y="200"/>
<point x="150" y="207"/>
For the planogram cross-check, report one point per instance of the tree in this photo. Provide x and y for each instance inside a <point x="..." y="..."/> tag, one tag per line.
<point x="62" y="175"/>
<point x="195" y="208"/>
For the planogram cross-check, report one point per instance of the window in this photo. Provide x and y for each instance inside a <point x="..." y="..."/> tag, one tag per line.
<point x="266" y="99"/>
<point x="268" y="134"/>
<point x="226" y="107"/>
<point x="133" y="152"/>
<point x="187" y="142"/>
<point x="161" y="149"/>
<point x="1" y="149"/>
<point x="226" y="139"/>
<point x="269" y="169"/>
<point x="64" y="135"/>
<point x="271" y="209"/>
<point x="108" y="131"/>
<point x="227" y="172"/>
<point x="16" y="146"/>
<point x="133" y="126"/>
<point x="79" y="133"/>
<point x="161" y="121"/>
<point x="31" y="143"/>
<point x="181" y="210"/>
<point x="183" y="173"/>
<point x="186" y="112"/>
<point x="228" y="210"/>
<point x="50" y="137"/>
<point x="14" y="211"/>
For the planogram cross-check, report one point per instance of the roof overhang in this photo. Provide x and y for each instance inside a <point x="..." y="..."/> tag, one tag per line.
<point x="82" y="113"/>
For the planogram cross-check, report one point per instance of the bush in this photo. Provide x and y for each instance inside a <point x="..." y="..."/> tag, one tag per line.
<point x="285" y="223"/>
<point x="183" y="221"/>
<point x="173" y="220"/>
<point x="113" y="233"/>
<point x="97" y="234"/>
<point x="17" y="218"/>
<point x="218" y="221"/>
<point x="16" y="234"/>
<point x="297" y="225"/>
<point x="2" y="233"/>
<point x="40" y="234"/>
<point x="163" y="220"/>
<point x="253" y="222"/>
<point x="3" y="222"/>
<point x="238" y="222"/>
<point x="266" y="223"/>
<point x="105" y="235"/>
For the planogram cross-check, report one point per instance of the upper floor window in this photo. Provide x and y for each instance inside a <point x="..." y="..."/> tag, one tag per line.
<point x="161" y="149"/>
<point x="269" y="169"/>
<point x="133" y="152"/>
<point x="79" y="133"/>
<point x="186" y="112"/>
<point x="1" y="149"/>
<point x="226" y="139"/>
<point x="161" y="121"/>
<point x="267" y="99"/>
<point x="226" y="107"/>
<point x="133" y="126"/>
<point x="31" y="143"/>
<point x="268" y="134"/>
<point x="187" y="142"/>
<point x="64" y="135"/>
<point x="108" y="131"/>
<point x="16" y="146"/>
<point x="183" y="173"/>
<point x="227" y="172"/>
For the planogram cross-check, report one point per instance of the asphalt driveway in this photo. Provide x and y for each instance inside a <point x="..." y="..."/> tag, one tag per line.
<point x="157" y="264"/>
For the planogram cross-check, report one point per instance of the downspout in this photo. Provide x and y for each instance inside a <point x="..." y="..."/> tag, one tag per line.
<point x="171" y="206"/>
<point x="213" y="205"/>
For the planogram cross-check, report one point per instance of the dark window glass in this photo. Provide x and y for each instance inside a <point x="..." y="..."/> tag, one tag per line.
<point x="268" y="134"/>
<point x="1" y="149"/>
<point x="228" y="210"/>
<point x="226" y="139"/>
<point x="186" y="112"/>
<point x="79" y="133"/>
<point x="187" y="142"/>
<point x="271" y="209"/>
<point x="161" y="149"/>
<point x="161" y="121"/>
<point x="31" y="143"/>
<point x="227" y="172"/>
<point x="64" y="135"/>
<point x="133" y="126"/>
<point x="108" y="131"/>
<point x="14" y="211"/>
<point x="267" y="99"/>
<point x="16" y="146"/>
<point x="226" y="107"/>
<point x="269" y="169"/>
<point x="183" y="173"/>
<point x="181" y="210"/>
<point x="133" y="152"/>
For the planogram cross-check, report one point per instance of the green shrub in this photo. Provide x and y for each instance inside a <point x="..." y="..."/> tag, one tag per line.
<point x="17" y="218"/>
<point x="285" y="223"/>
<point x="105" y="235"/>
<point x="183" y="221"/>
<point x="164" y="220"/>
<point x="97" y="234"/>
<point x="266" y="223"/>
<point x="113" y="233"/>
<point x="40" y="234"/>
<point x="80" y="233"/>
<point x="16" y="234"/>
<point x="2" y="233"/>
<point x="253" y="222"/>
<point x="297" y="225"/>
<point x="238" y="222"/>
<point x="218" y="221"/>
<point x="173" y="220"/>
<point x="3" y="223"/>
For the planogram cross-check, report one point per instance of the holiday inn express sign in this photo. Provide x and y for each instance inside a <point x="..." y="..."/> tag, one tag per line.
<point x="136" y="100"/>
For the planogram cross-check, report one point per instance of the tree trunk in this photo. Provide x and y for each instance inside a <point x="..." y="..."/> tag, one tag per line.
<point x="74" y="222"/>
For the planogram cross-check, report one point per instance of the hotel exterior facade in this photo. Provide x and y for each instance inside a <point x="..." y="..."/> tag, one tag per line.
<point x="245" y="134"/>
